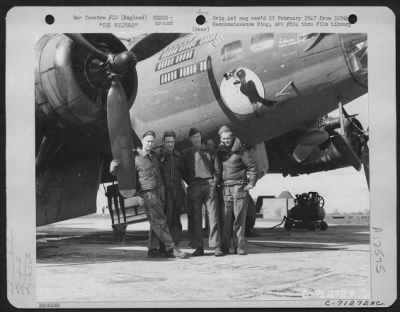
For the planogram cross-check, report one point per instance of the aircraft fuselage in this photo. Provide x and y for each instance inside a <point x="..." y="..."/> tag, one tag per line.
<point x="185" y="84"/>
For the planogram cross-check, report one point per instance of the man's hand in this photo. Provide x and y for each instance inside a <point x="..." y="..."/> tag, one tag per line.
<point x="248" y="187"/>
<point x="140" y="201"/>
<point x="114" y="167"/>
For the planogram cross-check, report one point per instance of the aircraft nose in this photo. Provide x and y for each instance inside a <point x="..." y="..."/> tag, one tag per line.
<point x="355" y="48"/>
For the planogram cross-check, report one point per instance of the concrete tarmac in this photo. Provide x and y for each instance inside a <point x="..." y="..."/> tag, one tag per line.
<point x="77" y="261"/>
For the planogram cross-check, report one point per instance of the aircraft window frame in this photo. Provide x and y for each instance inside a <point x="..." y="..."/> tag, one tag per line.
<point x="262" y="43"/>
<point x="232" y="50"/>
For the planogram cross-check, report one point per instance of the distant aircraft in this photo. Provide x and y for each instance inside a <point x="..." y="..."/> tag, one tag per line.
<point x="94" y="98"/>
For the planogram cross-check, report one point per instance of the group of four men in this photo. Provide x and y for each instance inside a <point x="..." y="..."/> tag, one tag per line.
<point x="229" y="169"/>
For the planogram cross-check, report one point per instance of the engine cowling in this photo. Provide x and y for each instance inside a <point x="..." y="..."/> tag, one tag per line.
<point x="70" y="87"/>
<point x="325" y="156"/>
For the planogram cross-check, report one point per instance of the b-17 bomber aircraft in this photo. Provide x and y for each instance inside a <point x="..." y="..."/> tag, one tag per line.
<point x="95" y="96"/>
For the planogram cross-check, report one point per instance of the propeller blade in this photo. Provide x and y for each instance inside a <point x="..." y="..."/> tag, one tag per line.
<point x="121" y="138"/>
<point x="365" y="161"/>
<point x="86" y="45"/>
<point x="151" y="44"/>
<point x="346" y="150"/>
<point x="317" y="40"/>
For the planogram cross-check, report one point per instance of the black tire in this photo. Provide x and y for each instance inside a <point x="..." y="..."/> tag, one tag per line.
<point x="323" y="226"/>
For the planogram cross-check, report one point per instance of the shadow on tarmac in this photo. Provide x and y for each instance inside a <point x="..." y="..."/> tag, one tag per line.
<point x="62" y="246"/>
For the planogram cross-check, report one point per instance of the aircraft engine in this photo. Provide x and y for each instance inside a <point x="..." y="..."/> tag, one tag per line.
<point x="85" y="84"/>
<point x="350" y="144"/>
<point x="337" y="151"/>
<point x="71" y="84"/>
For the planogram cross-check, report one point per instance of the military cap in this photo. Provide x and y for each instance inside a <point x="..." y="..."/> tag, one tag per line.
<point x="193" y="131"/>
<point x="149" y="132"/>
<point x="224" y="129"/>
<point x="169" y="134"/>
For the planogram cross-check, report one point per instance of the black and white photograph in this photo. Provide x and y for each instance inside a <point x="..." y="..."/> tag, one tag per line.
<point x="201" y="168"/>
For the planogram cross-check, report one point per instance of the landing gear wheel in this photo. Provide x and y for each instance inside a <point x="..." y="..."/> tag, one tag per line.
<point x="288" y="225"/>
<point x="323" y="226"/>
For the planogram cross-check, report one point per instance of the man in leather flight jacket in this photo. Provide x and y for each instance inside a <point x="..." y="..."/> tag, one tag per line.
<point x="238" y="175"/>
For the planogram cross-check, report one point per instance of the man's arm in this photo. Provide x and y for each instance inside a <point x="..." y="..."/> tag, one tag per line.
<point x="217" y="168"/>
<point x="251" y="169"/>
<point x="184" y="166"/>
<point x="114" y="165"/>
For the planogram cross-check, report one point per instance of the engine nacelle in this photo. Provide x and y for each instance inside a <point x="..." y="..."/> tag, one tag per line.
<point x="70" y="87"/>
<point x="336" y="152"/>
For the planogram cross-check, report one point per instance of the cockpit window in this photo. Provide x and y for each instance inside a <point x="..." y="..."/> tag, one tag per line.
<point x="262" y="41"/>
<point x="231" y="50"/>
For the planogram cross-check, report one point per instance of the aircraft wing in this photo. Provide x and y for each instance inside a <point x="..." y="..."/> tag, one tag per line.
<point x="85" y="85"/>
<point x="68" y="191"/>
<point x="69" y="170"/>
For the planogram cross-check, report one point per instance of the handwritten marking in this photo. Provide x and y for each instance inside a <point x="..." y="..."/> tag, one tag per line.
<point x="378" y="250"/>
<point x="19" y="269"/>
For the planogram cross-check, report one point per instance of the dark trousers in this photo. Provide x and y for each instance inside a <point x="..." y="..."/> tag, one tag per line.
<point x="199" y="193"/>
<point x="153" y="207"/>
<point x="235" y="209"/>
<point x="174" y="201"/>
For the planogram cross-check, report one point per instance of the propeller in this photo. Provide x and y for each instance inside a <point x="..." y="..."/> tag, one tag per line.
<point x="121" y="138"/>
<point x="345" y="148"/>
<point x="86" y="45"/>
<point x="365" y="153"/>
<point x="317" y="39"/>
<point x="357" y="140"/>
<point x="119" y="124"/>
<point x="152" y="43"/>
<point x="365" y="161"/>
<point x="363" y="138"/>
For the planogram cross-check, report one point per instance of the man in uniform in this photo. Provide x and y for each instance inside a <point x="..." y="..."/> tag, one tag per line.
<point x="149" y="185"/>
<point x="238" y="175"/>
<point x="200" y="174"/>
<point x="171" y="172"/>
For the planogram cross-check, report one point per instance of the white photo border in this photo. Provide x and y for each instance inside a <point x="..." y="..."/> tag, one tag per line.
<point x="377" y="22"/>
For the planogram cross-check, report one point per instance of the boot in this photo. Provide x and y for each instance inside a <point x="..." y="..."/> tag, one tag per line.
<point x="218" y="252"/>
<point x="198" y="252"/>
<point x="176" y="253"/>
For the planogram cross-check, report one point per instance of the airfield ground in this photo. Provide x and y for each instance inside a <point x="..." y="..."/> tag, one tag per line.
<point x="78" y="262"/>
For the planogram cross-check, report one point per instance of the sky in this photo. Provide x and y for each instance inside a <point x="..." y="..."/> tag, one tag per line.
<point x="344" y="190"/>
